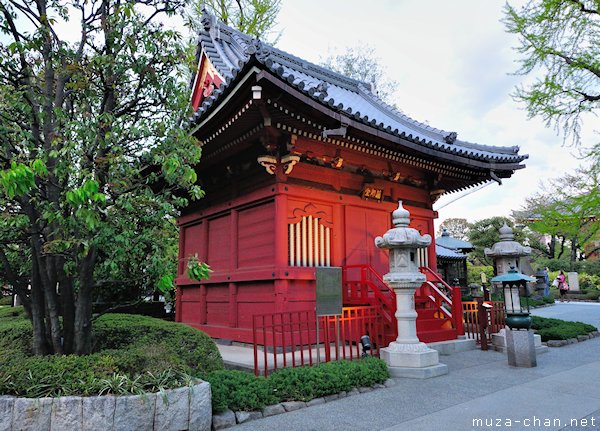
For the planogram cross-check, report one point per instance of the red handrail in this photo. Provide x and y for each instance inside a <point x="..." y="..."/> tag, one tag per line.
<point x="369" y="288"/>
<point x="431" y="275"/>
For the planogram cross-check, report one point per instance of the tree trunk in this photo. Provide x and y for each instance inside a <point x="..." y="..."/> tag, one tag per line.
<point x="50" y="297"/>
<point x="40" y="343"/>
<point x="83" y="307"/>
<point x="574" y="246"/>
<point x="68" y="309"/>
<point x="552" y="247"/>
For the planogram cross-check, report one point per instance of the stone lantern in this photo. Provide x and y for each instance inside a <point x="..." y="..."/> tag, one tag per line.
<point x="507" y="252"/>
<point x="519" y="339"/>
<point x="407" y="356"/>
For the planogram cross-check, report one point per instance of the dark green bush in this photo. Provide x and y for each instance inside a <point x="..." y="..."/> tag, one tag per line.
<point x="556" y="329"/>
<point x="194" y="348"/>
<point x="237" y="390"/>
<point x="132" y="354"/>
<point x="6" y="300"/>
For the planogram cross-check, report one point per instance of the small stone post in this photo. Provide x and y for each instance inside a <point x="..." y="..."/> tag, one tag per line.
<point x="407" y="356"/>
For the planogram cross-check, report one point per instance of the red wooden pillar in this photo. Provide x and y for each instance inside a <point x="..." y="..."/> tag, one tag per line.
<point x="203" y="256"/>
<point x="457" y="310"/>
<point x="178" y="304"/>
<point x="281" y="252"/>
<point x="339" y="235"/>
<point x="180" y="256"/>
<point x="233" y="264"/>
<point x="431" y="249"/>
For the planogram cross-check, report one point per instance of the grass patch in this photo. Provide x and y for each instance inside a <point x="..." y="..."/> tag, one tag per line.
<point x="556" y="329"/>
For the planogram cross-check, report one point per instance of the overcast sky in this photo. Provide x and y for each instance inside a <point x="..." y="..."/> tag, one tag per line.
<point x="453" y="62"/>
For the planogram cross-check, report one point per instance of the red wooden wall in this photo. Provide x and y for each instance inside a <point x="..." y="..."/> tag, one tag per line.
<point x="245" y="241"/>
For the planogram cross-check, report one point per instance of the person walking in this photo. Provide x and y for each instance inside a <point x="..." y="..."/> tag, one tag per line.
<point x="546" y="282"/>
<point x="563" y="287"/>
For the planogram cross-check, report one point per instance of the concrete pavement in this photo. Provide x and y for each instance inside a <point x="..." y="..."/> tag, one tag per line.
<point x="480" y="392"/>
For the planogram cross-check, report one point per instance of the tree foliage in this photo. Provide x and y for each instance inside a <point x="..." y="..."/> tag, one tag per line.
<point x="485" y="233"/>
<point x="456" y="227"/>
<point x="254" y="17"/>
<point x="361" y="64"/>
<point x="567" y="208"/>
<point x="561" y="40"/>
<point x="91" y="153"/>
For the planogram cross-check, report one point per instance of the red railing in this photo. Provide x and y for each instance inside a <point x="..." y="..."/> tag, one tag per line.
<point x="292" y="339"/>
<point x="493" y="323"/>
<point x="362" y="285"/>
<point x="447" y="299"/>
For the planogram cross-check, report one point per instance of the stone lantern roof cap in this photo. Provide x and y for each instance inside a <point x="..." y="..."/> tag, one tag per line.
<point x="402" y="236"/>
<point x="507" y="246"/>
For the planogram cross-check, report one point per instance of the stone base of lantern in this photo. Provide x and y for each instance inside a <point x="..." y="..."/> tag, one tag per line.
<point x="416" y="361"/>
<point x="499" y="342"/>
<point x="520" y="349"/>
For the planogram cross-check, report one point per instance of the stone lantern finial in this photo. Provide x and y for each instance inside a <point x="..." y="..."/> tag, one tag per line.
<point x="401" y="216"/>
<point x="506" y="233"/>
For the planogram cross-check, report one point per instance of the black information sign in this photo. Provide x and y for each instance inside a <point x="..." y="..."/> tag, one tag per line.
<point x="329" y="291"/>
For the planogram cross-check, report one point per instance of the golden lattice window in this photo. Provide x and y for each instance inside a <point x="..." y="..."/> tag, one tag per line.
<point x="309" y="242"/>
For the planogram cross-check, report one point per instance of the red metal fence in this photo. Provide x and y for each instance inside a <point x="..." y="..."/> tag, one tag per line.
<point x="493" y="323"/>
<point x="293" y="339"/>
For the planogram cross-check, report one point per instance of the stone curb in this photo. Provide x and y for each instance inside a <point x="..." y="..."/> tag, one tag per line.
<point x="187" y="408"/>
<point x="228" y="418"/>
<point x="579" y="339"/>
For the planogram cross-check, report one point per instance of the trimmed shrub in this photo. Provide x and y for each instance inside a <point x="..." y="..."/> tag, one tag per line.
<point x="133" y="354"/>
<point x="237" y="390"/>
<point x="556" y="329"/>
<point x="193" y="347"/>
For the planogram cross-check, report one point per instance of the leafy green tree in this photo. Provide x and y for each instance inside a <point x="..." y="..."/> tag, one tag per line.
<point x="361" y="64"/>
<point x="92" y="152"/>
<point x="456" y="227"/>
<point x="561" y="40"/>
<point x="254" y="17"/>
<point x="566" y="209"/>
<point x="485" y="233"/>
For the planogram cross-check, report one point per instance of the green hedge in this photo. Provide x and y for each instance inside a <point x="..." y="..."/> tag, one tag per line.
<point x="237" y="390"/>
<point x="154" y="337"/>
<point x="132" y="354"/>
<point x="556" y="329"/>
<point x="6" y="300"/>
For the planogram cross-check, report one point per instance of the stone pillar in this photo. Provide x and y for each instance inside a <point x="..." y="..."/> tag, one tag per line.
<point x="407" y="356"/>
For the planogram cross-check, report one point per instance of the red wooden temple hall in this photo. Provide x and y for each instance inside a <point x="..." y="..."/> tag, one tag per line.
<point x="302" y="168"/>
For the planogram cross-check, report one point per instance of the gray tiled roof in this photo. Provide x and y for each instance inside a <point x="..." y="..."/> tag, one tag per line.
<point x="449" y="242"/>
<point x="230" y="50"/>
<point x="447" y="253"/>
